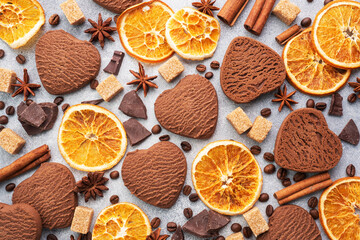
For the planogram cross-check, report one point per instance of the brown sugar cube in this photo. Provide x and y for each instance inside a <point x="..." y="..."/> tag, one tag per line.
<point x="109" y="88"/>
<point x="82" y="219"/>
<point x="239" y="120"/>
<point x="7" y="77"/>
<point x="256" y="221"/>
<point x="260" y="129"/>
<point x="171" y="69"/>
<point x="10" y="141"/>
<point x="235" y="236"/>
<point x="286" y="11"/>
<point x="73" y="12"/>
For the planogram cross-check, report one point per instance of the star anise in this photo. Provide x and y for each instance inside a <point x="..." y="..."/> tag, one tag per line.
<point x="155" y="235"/>
<point x="24" y="86"/>
<point x="284" y="98"/>
<point x="355" y="85"/>
<point x="92" y="185"/>
<point x="100" y="30"/>
<point x="87" y="236"/>
<point x="206" y="6"/>
<point x="143" y="80"/>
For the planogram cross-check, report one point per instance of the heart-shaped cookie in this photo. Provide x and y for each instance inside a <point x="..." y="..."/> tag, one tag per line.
<point x="306" y="144"/>
<point x="19" y="221"/>
<point x="155" y="175"/>
<point x="50" y="191"/>
<point x="65" y="63"/>
<point x="117" y="6"/>
<point x="189" y="109"/>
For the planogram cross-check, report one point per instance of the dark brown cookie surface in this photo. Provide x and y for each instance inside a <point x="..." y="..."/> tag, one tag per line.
<point x="306" y="144"/>
<point x="65" y="63"/>
<point x="189" y="109"/>
<point x="19" y="221"/>
<point x="291" y="222"/>
<point x="249" y="69"/>
<point x="117" y="6"/>
<point x="50" y="191"/>
<point x="155" y="175"/>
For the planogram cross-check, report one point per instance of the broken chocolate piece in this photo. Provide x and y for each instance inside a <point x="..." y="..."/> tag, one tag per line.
<point x="336" y="108"/>
<point x="133" y="106"/>
<point x="178" y="234"/>
<point x="350" y="133"/>
<point x="217" y="222"/>
<point x="115" y="63"/>
<point x="198" y="225"/>
<point x="94" y="102"/>
<point x="135" y="131"/>
<point x="33" y="115"/>
<point x="51" y="110"/>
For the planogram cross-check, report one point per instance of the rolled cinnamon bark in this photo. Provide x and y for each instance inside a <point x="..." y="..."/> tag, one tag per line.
<point x="288" y="34"/>
<point x="231" y="10"/>
<point x="258" y="16"/>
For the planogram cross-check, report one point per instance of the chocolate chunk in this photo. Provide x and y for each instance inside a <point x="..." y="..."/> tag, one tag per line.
<point x="350" y="133"/>
<point x="133" y="106"/>
<point x="216" y="222"/>
<point x="93" y="102"/>
<point x="135" y="131"/>
<point x="336" y="108"/>
<point x="51" y="110"/>
<point x="199" y="225"/>
<point x="33" y="115"/>
<point x="115" y="63"/>
<point x="178" y="234"/>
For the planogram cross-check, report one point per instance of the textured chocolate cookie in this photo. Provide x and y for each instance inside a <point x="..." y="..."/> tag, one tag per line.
<point x="117" y="6"/>
<point x="50" y="191"/>
<point x="291" y="222"/>
<point x="65" y="63"/>
<point x="249" y="69"/>
<point x="306" y="144"/>
<point x="155" y="175"/>
<point x="19" y="221"/>
<point x="189" y="109"/>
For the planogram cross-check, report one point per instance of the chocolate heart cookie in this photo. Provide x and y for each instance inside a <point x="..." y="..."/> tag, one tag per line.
<point x="65" y="63"/>
<point x="50" y="191"/>
<point x="117" y="6"/>
<point x="306" y="144"/>
<point x="19" y="221"/>
<point x="189" y="109"/>
<point x="155" y="175"/>
<point x="249" y="69"/>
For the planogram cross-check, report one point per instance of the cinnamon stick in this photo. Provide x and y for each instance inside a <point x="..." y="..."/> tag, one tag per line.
<point x="231" y="10"/>
<point x="288" y="34"/>
<point x="258" y="16"/>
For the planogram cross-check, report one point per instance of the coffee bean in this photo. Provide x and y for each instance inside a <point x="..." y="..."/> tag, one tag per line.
<point x="2" y="105"/>
<point x="194" y="197"/>
<point x="10" y="110"/>
<point x="265" y="112"/>
<point x="58" y="100"/>
<point x="65" y="106"/>
<point x="286" y="182"/>
<point x="310" y="1"/>
<point x="156" y="129"/>
<point x="10" y="187"/>
<point x="314" y="213"/>
<point x="269" y="210"/>
<point x="185" y="146"/>
<point x="247" y="232"/>
<point x="327" y="1"/>
<point x="94" y="83"/>
<point x="188" y="213"/>
<point x="209" y="75"/>
<point x="306" y="22"/>
<point x="20" y="59"/>
<point x="320" y="106"/>
<point x="186" y="190"/>
<point x="54" y="20"/>
<point x="264" y="197"/>
<point x="236" y="227"/>
<point x="299" y="176"/>
<point x="171" y="227"/>
<point x="2" y="53"/>
<point x="281" y="173"/>
<point x="164" y="138"/>
<point x="310" y="103"/>
<point x="269" y="169"/>
<point x="201" y="68"/>
<point x="312" y="202"/>
<point x="215" y="65"/>
<point x="256" y="150"/>
<point x="155" y="222"/>
<point x="28" y="102"/>
<point x="352" y="98"/>
<point x="4" y="119"/>
<point x="51" y="237"/>
<point x="114" y="199"/>
<point x="114" y="175"/>
<point x="72" y="237"/>
<point x="350" y="170"/>
<point x="220" y="238"/>
<point x="268" y="156"/>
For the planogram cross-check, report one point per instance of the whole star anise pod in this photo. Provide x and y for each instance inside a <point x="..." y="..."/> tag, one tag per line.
<point x="284" y="98"/>
<point x="142" y="80"/>
<point x="155" y="235"/>
<point x="24" y="86"/>
<point x="206" y="6"/>
<point x="92" y="185"/>
<point x="355" y="85"/>
<point x="100" y="30"/>
<point x="87" y="236"/>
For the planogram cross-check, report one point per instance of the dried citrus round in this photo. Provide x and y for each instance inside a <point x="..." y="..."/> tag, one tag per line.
<point x="91" y="138"/>
<point x="227" y="177"/>
<point x="336" y="34"/>
<point x="192" y="34"/>
<point x="121" y="221"/>
<point x="307" y="71"/>
<point x="142" y="31"/>
<point x="339" y="207"/>
<point x="20" y="20"/>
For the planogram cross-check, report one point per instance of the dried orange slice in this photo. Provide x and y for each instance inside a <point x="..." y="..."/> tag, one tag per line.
<point x="227" y="177"/>
<point x="339" y="208"/>
<point x="192" y="34"/>
<point x="142" y="31"/>
<point x="336" y="34"/>
<point x="20" y="20"/>
<point x="121" y="221"/>
<point x="91" y="138"/>
<point x="307" y="71"/>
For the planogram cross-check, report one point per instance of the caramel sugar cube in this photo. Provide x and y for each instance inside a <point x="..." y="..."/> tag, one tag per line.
<point x="7" y="77"/>
<point x="286" y="11"/>
<point x="235" y="236"/>
<point x="171" y="69"/>
<point x="260" y="129"/>
<point x="239" y="120"/>
<point x="10" y="141"/>
<point x="73" y="12"/>
<point x="109" y="88"/>
<point x="82" y="219"/>
<point x="256" y="221"/>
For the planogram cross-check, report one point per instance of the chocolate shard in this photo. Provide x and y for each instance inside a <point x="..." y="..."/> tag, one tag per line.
<point x="33" y="115"/>
<point x="217" y="221"/>
<point x="94" y="102"/>
<point x="199" y="225"/>
<point x="178" y="234"/>
<point x="135" y="131"/>
<point x="51" y="110"/>
<point x="336" y="108"/>
<point x="115" y="63"/>
<point x="133" y="106"/>
<point x="350" y="133"/>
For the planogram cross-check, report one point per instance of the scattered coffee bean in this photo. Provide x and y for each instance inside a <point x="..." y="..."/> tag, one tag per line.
<point x="28" y="102"/>
<point x="268" y="156"/>
<point x="310" y="1"/>
<point x="1" y="128"/>
<point x="58" y="100"/>
<point x="256" y="150"/>
<point x="220" y="238"/>
<point x="171" y="227"/>
<point x="155" y="222"/>
<point x="327" y="1"/>
<point x="20" y="59"/>
<point x="185" y="146"/>
<point x="10" y="187"/>
<point x="306" y="22"/>
<point x="194" y="197"/>
<point x="94" y="83"/>
<point x="51" y="237"/>
<point x="164" y="138"/>
<point x="236" y="227"/>
<point x="265" y="112"/>
<point x="65" y="106"/>
<point x="350" y="170"/>
<point x="209" y="75"/>
<point x="281" y="173"/>
<point x="314" y="213"/>
<point x="299" y="176"/>
<point x="2" y="105"/>
<point x="156" y="129"/>
<point x="114" y="175"/>
<point x="247" y="232"/>
<point x="313" y="202"/>
<point x="286" y="182"/>
<point x="54" y="20"/>
<point x="264" y="197"/>
<point x="269" y="169"/>
<point x="114" y="199"/>
<point x="352" y="98"/>
<point x="320" y="106"/>
<point x="2" y="53"/>
<point x="215" y="65"/>
<point x="187" y="190"/>
<point x="10" y="110"/>
<point x="201" y="68"/>
<point x="310" y="103"/>
<point x="4" y="119"/>
<point x="269" y="210"/>
<point x="188" y="213"/>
